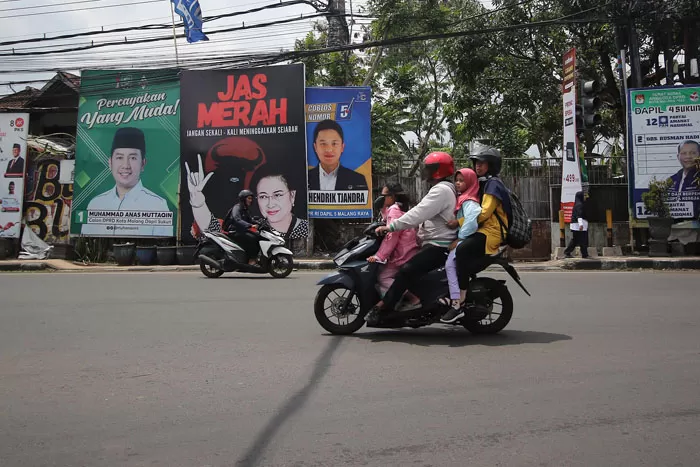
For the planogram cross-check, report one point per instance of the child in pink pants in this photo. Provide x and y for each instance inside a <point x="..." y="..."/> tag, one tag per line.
<point x="397" y="247"/>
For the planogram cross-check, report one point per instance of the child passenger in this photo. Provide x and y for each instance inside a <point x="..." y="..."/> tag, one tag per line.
<point x="467" y="211"/>
<point x="397" y="247"/>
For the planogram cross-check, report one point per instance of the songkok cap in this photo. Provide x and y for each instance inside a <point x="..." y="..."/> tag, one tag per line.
<point x="129" y="138"/>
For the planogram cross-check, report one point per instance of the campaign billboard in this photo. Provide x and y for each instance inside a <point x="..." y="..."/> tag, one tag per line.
<point x="571" y="167"/>
<point x="339" y="147"/>
<point x="664" y="126"/>
<point x="127" y="154"/>
<point x="243" y="129"/>
<point x="14" y="128"/>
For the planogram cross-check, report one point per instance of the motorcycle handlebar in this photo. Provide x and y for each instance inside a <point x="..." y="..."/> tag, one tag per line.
<point x="369" y="231"/>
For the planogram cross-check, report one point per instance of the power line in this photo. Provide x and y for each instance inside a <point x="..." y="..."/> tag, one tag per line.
<point x="49" y="5"/>
<point x="121" y="41"/>
<point x="163" y="18"/>
<point x="108" y="55"/>
<point x="79" y="9"/>
<point x="250" y="60"/>
<point x="296" y="55"/>
<point x="282" y="4"/>
<point x="163" y="38"/>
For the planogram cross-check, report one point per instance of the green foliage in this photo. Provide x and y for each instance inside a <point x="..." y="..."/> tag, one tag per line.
<point x="92" y="249"/>
<point x="333" y="69"/>
<point x="656" y="199"/>
<point x="503" y="88"/>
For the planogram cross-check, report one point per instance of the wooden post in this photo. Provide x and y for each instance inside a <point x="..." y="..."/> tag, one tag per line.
<point x="608" y="220"/>
<point x="562" y="229"/>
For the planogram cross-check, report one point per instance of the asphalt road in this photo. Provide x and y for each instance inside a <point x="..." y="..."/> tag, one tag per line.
<point x="147" y="369"/>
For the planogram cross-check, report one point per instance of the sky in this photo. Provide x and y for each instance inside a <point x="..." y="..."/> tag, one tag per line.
<point x="24" y="19"/>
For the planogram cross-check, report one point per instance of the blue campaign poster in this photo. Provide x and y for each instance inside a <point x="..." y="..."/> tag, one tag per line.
<point x="339" y="152"/>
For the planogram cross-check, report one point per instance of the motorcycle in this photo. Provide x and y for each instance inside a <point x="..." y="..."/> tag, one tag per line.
<point x="350" y="293"/>
<point x="219" y="253"/>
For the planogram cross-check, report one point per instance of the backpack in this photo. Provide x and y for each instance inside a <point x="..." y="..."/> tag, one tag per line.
<point x="518" y="234"/>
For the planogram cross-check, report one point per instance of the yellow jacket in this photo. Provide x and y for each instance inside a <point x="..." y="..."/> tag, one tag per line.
<point x="489" y="225"/>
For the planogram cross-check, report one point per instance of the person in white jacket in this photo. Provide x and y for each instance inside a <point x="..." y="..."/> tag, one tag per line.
<point x="431" y="216"/>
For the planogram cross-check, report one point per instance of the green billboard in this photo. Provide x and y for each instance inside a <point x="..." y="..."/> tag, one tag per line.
<point x="127" y="154"/>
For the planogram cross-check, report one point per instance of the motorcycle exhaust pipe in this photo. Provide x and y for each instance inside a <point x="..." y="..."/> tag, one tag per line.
<point x="211" y="262"/>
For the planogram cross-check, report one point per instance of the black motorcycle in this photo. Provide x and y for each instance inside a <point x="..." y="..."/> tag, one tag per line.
<point x="347" y="295"/>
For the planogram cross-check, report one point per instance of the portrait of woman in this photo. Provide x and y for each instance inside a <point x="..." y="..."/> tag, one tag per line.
<point x="277" y="202"/>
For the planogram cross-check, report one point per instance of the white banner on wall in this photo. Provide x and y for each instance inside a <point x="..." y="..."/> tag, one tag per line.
<point x="14" y="128"/>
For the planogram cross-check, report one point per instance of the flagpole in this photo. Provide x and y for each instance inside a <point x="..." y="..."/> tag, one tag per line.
<point x="172" y="15"/>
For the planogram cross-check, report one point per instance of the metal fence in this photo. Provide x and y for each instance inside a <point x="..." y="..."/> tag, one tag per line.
<point x="531" y="180"/>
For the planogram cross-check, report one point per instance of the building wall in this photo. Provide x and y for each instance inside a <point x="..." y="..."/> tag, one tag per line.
<point x="48" y="123"/>
<point x="540" y="246"/>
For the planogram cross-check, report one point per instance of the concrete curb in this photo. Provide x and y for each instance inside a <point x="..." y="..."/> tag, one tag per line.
<point x="632" y="263"/>
<point x="22" y="266"/>
<point x="34" y="265"/>
<point x="595" y="264"/>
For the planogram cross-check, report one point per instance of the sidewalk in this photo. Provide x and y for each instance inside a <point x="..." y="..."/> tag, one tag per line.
<point x="62" y="265"/>
<point x="597" y="264"/>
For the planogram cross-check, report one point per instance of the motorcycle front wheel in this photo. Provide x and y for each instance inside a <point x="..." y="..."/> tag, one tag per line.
<point x="281" y="266"/>
<point x="500" y="310"/>
<point x="331" y="300"/>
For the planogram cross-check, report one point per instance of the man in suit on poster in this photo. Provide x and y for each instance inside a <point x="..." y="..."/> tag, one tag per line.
<point x="15" y="168"/>
<point x="330" y="175"/>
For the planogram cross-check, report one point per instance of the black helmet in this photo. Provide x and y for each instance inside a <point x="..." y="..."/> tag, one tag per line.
<point x="244" y="194"/>
<point x="492" y="156"/>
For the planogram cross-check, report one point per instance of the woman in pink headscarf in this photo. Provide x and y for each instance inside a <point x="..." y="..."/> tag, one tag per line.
<point x="467" y="211"/>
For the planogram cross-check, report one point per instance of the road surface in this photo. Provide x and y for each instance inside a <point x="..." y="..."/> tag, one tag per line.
<point x="172" y="369"/>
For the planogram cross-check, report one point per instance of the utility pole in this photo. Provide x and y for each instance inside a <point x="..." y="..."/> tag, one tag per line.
<point x="338" y="35"/>
<point x="634" y="46"/>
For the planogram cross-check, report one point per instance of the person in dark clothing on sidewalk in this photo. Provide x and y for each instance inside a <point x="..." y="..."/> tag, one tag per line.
<point x="579" y="227"/>
<point x="240" y="221"/>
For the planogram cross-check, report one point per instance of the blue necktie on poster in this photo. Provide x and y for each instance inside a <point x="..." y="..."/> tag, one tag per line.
<point x="191" y="14"/>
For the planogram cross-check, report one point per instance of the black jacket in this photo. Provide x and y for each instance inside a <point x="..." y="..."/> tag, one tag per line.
<point x="579" y="210"/>
<point x="238" y="218"/>
<point x="348" y="180"/>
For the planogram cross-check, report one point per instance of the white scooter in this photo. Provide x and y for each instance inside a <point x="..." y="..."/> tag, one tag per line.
<point x="218" y="253"/>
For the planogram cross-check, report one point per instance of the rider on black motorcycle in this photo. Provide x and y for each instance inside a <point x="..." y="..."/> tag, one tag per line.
<point x="431" y="216"/>
<point x="493" y="222"/>
<point x="245" y="231"/>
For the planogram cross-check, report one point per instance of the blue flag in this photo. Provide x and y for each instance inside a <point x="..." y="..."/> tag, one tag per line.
<point x="191" y="15"/>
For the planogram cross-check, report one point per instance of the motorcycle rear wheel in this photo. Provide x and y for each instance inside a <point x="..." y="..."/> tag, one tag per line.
<point x="281" y="266"/>
<point x="497" y="296"/>
<point x="337" y="295"/>
<point x="209" y="271"/>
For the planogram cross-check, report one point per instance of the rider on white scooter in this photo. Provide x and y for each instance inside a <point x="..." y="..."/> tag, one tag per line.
<point x="239" y="220"/>
<point x="431" y="215"/>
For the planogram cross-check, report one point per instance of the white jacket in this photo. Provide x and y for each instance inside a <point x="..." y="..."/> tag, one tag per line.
<point x="431" y="216"/>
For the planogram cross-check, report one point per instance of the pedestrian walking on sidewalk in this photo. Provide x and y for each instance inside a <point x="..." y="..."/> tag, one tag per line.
<point x="579" y="227"/>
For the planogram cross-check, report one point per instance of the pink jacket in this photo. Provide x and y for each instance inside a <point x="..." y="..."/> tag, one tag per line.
<point x="400" y="246"/>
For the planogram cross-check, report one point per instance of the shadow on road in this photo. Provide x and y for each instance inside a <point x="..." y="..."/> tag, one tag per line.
<point x="461" y="338"/>
<point x="255" y="453"/>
